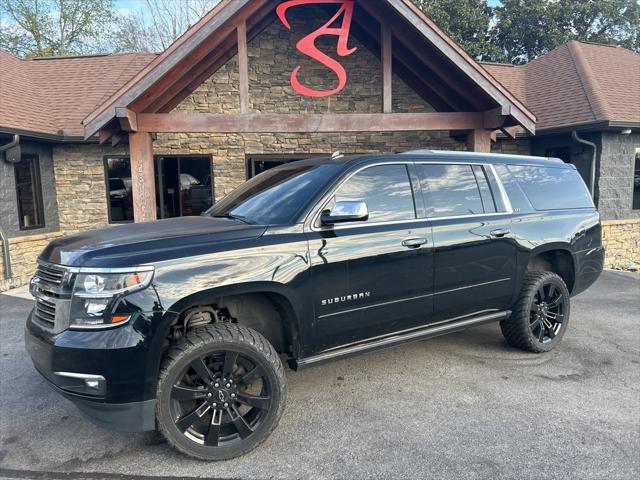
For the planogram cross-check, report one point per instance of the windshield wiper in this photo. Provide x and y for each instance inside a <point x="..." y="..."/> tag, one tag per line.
<point x="233" y="216"/>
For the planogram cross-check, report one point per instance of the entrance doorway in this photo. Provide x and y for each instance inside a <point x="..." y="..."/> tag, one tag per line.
<point x="183" y="185"/>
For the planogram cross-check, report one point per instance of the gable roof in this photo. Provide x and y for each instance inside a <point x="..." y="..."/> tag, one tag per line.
<point x="50" y="96"/>
<point x="216" y="28"/>
<point x="577" y="84"/>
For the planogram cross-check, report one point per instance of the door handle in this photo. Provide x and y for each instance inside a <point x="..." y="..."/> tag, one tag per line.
<point x="414" y="242"/>
<point x="500" y="232"/>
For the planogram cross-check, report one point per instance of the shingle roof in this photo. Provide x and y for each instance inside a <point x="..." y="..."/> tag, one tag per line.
<point x="576" y="84"/>
<point x="53" y="95"/>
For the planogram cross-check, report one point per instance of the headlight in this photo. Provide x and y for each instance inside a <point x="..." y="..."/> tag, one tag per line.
<point x="96" y="291"/>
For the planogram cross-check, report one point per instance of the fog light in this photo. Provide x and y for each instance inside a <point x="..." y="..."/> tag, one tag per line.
<point x="94" y="384"/>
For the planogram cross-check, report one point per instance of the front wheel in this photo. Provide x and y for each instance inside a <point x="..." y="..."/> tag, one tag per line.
<point x="221" y="392"/>
<point x="540" y="315"/>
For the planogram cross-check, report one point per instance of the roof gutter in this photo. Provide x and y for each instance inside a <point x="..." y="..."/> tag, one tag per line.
<point x="13" y="143"/>
<point x="594" y="147"/>
<point x="5" y="255"/>
<point x="5" y="241"/>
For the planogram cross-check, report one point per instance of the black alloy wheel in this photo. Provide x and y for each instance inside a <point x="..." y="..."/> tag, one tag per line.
<point x="540" y="316"/>
<point x="221" y="392"/>
<point x="547" y="312"/>
<point x="221" y="398"/>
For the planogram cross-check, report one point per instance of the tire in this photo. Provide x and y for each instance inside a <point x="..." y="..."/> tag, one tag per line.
<point x="538" y="324"/>
<point x="210" y="419"/>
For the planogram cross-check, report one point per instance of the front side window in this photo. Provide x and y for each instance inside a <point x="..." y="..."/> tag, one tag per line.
<point x="452" y="190"/>
<point x="385" y="189"/>
<point x="29" y="193"/>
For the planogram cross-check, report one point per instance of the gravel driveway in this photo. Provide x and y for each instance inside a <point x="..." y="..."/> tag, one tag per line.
<point x="460" y="406"/>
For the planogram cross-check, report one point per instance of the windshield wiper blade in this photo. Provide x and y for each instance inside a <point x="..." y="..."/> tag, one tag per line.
<point x="233" y="216"/>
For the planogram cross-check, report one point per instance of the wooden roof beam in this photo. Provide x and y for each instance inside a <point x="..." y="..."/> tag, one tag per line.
<point x="305" y="123"/>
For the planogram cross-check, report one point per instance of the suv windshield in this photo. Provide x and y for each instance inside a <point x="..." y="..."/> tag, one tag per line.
<point x="277" y="196"/>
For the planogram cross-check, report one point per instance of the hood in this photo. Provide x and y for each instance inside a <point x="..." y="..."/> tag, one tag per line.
<point x="148" y="242"/>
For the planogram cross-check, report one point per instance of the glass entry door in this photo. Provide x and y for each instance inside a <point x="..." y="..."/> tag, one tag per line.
<point x="183" y="185"/>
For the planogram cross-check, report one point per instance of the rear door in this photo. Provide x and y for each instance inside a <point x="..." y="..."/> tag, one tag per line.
<point x="376" y="276"/>
<point x="474" y="252"/>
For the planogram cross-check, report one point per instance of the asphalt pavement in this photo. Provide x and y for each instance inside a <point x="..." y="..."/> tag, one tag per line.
<point x="464" y="405"/>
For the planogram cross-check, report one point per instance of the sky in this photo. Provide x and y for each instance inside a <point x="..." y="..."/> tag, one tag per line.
<point x="125" y="6"/>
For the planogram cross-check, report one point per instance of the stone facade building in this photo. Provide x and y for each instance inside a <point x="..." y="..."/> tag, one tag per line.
<point x="56" y="182"/>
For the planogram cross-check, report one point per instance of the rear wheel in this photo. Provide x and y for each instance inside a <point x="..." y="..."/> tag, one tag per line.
<point x="541" y="314"/>
<point x="221" y="392"/>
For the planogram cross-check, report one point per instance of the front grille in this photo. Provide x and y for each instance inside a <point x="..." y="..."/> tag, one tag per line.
<point x="50" y="286"/>
<point x="51" y="274"/>
<point x="46" y="311"/>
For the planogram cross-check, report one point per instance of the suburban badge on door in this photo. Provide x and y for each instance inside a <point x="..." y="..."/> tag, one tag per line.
<point x="345" y="298"/>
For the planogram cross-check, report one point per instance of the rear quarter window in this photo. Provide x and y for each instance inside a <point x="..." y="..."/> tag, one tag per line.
<point x="552" y="188"/>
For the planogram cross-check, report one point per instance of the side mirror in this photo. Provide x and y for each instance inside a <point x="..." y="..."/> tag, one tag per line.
<point x="345" y="212"/>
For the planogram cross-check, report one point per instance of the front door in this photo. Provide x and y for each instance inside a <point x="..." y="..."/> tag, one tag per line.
<point x="474" y="253"/>
<point x="372" y="277"/>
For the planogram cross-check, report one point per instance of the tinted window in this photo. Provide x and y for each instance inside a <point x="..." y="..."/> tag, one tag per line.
<point x="485" y="192"/>
<point x="552" y="188"/>
<point x="451" y="190"/>
<point x="495" y="189"/>
<point x="517" y="198"/>
<point x="29" y="192"/>
<point x="277" y="196"/>
<point x="385" y="189"/>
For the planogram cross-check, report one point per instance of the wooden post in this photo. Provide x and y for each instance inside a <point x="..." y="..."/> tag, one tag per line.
<point x="243" y="67"/>
<point x="387" y="72"/>
<point x="479" y="140"/>
<point x="142" y="176"/>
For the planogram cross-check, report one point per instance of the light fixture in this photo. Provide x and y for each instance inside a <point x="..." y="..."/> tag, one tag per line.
<point x="626" y="131"/>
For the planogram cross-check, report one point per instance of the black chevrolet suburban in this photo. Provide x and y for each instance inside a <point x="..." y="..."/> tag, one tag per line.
<point x="184" y="324"/>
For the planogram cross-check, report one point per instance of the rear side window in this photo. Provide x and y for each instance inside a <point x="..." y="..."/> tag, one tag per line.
<point x="549" y="188"/>
<point x="385" y="189"/>
<point x="455" y="190"/>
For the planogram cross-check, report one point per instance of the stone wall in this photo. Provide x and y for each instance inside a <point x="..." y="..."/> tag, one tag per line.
<point x="621" y="239"/>
<point x="615" y="175"/>
<point x="272" y="57"/>
<point x="9" y="218"/>
<point x="24" y="251"/>
<point x="81" y="186"/>
<point x="508" y="146"/>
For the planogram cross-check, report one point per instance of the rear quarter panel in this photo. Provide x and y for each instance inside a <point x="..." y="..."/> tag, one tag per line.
<point x="576" y="231"/>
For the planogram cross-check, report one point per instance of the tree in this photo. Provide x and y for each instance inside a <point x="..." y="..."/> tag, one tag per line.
<point x="54" y="27"/>
<point x="465" y="21"/>
<point x="526" y="29"/>
<point x="159" y="23"/>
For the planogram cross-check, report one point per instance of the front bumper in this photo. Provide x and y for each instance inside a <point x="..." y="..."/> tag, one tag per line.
<point x="123" y="356"/>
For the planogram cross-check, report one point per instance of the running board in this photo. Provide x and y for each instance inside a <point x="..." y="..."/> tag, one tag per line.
<point x="398" y="339"/>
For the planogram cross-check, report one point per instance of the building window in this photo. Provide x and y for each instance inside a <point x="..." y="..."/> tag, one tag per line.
<point x="563" y="153"/>
<point x="29" y="193"/>
<point x="636" y="182"/>
<point x="257" y="164"/>
<point x="184" y="186"/>
<point x="119" y="195"/>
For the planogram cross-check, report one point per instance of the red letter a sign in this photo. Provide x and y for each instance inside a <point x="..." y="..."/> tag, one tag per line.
<point x="308" y="47"/>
